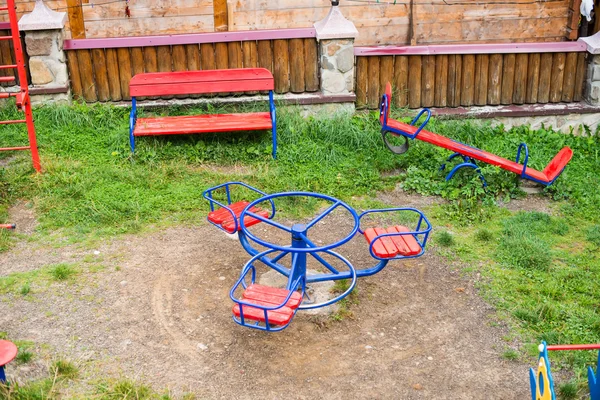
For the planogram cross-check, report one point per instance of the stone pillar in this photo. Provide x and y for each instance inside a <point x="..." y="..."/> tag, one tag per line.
<point x="591" y="92"/>
<point x="43" y="30"/>
<point x="336" y="52"/>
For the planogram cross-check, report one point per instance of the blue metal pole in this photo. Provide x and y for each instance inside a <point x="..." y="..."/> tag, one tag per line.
<point x="298" y="259"/>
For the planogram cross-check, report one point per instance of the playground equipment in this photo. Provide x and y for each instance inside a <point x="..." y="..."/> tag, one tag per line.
<point x="8" y="226"/>
<point x="541" y="382"/>
<point x="468" y="153"/>
<point x="272" y="309"/>
<point x="8" y="352"/>
<point x="22" y="100"/>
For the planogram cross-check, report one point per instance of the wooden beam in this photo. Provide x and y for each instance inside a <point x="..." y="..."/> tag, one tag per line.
<point x="220" y="15"/>
<point x="76" y="22"/>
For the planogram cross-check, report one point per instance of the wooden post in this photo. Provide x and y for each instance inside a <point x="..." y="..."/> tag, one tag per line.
<point x="220" y="15"/>
<point x="75" y="13"/>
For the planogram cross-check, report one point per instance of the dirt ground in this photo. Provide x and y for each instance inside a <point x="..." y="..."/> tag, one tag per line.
<point x="159" y="311"/>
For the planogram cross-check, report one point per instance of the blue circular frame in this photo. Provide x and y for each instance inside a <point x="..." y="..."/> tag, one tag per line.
<point x="312" y="248"/>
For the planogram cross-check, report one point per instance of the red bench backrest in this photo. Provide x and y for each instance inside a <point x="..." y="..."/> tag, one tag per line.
<point x="198" y="82"/>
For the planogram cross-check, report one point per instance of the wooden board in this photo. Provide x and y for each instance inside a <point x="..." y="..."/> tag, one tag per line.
<point x="400" y="84"/>
<point x="520" y="87"/>
<point x="101" y="74"/>
<point x="579" y="77"/>
<point x="508" y="79"/>
<point x="428" y="81"/>
<point x="112" y="69"/>
<point x="311" y="69"/>
<point x="468" y="80"/>
<point x="373" y="91"/>
<point x="192" y="53"/>
<point x="220" y="15"/>
<point x="74" y="74"/>
<point x="125" y="71"/>
<point x="569" y="78"/>
<point x="362" y="65"/>
<point x="150" y="60"/>
<point x="179" y="58"/>
<point x="207" y="56"/>
<point x="165" y="61"/>
<point x="86" y="74"/>
<point x="495" y="79"/>
<point x="75" y="14"/>
<point x="234" y="54"/>
<point x="545" y="75"/>
<point x="533" y="78"/>
<point x="482" y="62"/>
<point x="386" y="73"/>
<point x="250" y="54"/>
<point x="265" y="54"/>
<point x="414" y="81"/>
<point x="454" y="79"/>
<point x="281" y="68"/>
<point x="137" y="60"/>
<point x="556" y="80"/>
<point x="297" y="64"/>
<point x="441" y="81"/>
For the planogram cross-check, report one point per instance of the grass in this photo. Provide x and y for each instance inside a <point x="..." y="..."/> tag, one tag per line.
<point x="62" y="272"/>
<point x="444" y="239"/>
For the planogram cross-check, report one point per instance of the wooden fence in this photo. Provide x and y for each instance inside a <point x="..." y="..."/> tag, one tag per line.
<point x="7" y="57"/>
<point x="100" y="69"/>
<point x="468" y="75"/>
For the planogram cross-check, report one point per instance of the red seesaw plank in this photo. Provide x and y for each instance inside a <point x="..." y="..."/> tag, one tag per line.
<point x="202" y="124"/>
<point x="270" y="295"/>
<point x="281" y="316"/>
<point x="8" y="351"/>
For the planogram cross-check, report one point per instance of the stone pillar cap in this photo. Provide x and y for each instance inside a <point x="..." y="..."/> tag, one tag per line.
<point x="42" y="18"/>
<point x="335" y="26"/>
<point x="592" y="42"/>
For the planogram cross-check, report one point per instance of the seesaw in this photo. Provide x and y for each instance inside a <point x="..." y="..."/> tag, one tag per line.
<point x="272" y="308"/>
<point x="541" y="382"/>
<point x="468" y="153"/>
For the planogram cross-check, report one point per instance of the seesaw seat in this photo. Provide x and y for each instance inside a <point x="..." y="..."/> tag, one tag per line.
<point x="545" y="177"/>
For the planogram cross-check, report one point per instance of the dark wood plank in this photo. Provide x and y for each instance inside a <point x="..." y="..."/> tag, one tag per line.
<point x="495" y="79"/>
<point x="112" y="69"/>
<point x="234" y="54"/>
<point x="428" y="81"/>
<point x="221" y="55"/>
<point x="297" y="64"/>
<point x="74" y="74"/>
<point x="250" y="54"/>
<point x="441" y="81"/>
<point x="207" y="56"/>
<point x="192" y="54"/>
<point x="386" y="73"/>
<point x="400" y="84"/>
<point x="557" y="78"/>
<point x="87" y="78"/>
<point x="361" y="81"/>
<point x="137" y="60"/>
<point x="579" y="77"/>
<point x="454" y="79"/>
<point x="311" y="69"/>
<point x="414" y="81"/>
<point x="124" y="71"/>
<point x="220" y="15"/>
<point x="373" y="82"/>
<point x="179" y="58"/>
<point x="101" y="74"/>
<point x="265" y="54"/>
<point x="533" y="78"/>
<point x="569" y="80"/>
<point x="545" y="76"/>
<point x="76" y="23"/>
<point x="482" y="62"/>
<point x="520" y="88"/>
<point x="508" y="78"/>
<point x="165" y="61"/>
<point x="150" y="61"/>
<point x="281" y="66"/>
<point x="468" y="80"/>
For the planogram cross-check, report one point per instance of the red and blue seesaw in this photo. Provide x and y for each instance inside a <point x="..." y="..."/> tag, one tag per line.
<point x="271" y="308"/>
<point x="468" y="153"/>
<point x="541" y="382"/>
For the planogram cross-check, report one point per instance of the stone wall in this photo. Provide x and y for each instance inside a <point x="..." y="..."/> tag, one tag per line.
<point x="337" y="66"/>
<point x="47" y="62"/>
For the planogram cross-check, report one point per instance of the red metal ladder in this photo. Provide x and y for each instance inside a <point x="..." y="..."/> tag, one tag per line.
<point x="22" y="97"/>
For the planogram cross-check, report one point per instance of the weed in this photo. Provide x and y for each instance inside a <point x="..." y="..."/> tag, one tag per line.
<point x="24" y="356"/>
<point x="511" y="354"/>
<point x="62" y="272"/>
<point x="568" y="390"/>
<point x="25" y="289"/>
<point x="445" y="239"/>
<point x="484" y="235"/>
<point x="124" y="389"/>
<point x="64" y="369"/>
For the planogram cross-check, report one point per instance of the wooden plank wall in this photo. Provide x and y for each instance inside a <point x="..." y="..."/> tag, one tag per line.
<point x="26" y="6"/>
<point x="104" y="74"/>
<point x="7" y="57"/>
<point x="471" y="80"/>
<point x="436" y="21"/>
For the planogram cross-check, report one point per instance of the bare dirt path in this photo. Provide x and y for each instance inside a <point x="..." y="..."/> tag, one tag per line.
<point x="159" y="311"/>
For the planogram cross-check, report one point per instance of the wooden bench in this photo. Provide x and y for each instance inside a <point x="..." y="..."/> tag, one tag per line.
<point x="202" y="82"/>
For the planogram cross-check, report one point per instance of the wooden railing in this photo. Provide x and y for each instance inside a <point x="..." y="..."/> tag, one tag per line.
<point x="100" y="69"/>
<point x="468" y="75"/>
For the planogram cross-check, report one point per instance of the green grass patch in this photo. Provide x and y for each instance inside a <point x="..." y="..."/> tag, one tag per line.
<point x="445" y="239"/>
<point x="62" y="272"/>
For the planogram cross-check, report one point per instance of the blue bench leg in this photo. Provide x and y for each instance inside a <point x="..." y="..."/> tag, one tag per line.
<point x="132" y="121"/>
<point x="2" y="375"/>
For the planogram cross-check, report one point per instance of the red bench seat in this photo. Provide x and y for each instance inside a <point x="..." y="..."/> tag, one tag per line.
<point x="391" y="246"/>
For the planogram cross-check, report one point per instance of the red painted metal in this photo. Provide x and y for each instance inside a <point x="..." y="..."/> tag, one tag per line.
<point x="281" y="316"/>
<point x="8" y="226"/>
<point x="8" y="352"/>
<point x="7" y="78"/>
<point x="557" y="347"/>
<point x="22" y="98"/>
<point x="230" y="224"/>
<point x="202" y="124"/>
<point x="210" y="81"/>
<point x="169" y="40"/>
<point x="224" y="218"/>
<point x="270" y="295"/>
<point x="14" y="121"/>
<point x="8" y="66"/>
<point x="491" y="48"/>
<point x="391" y="246"/>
